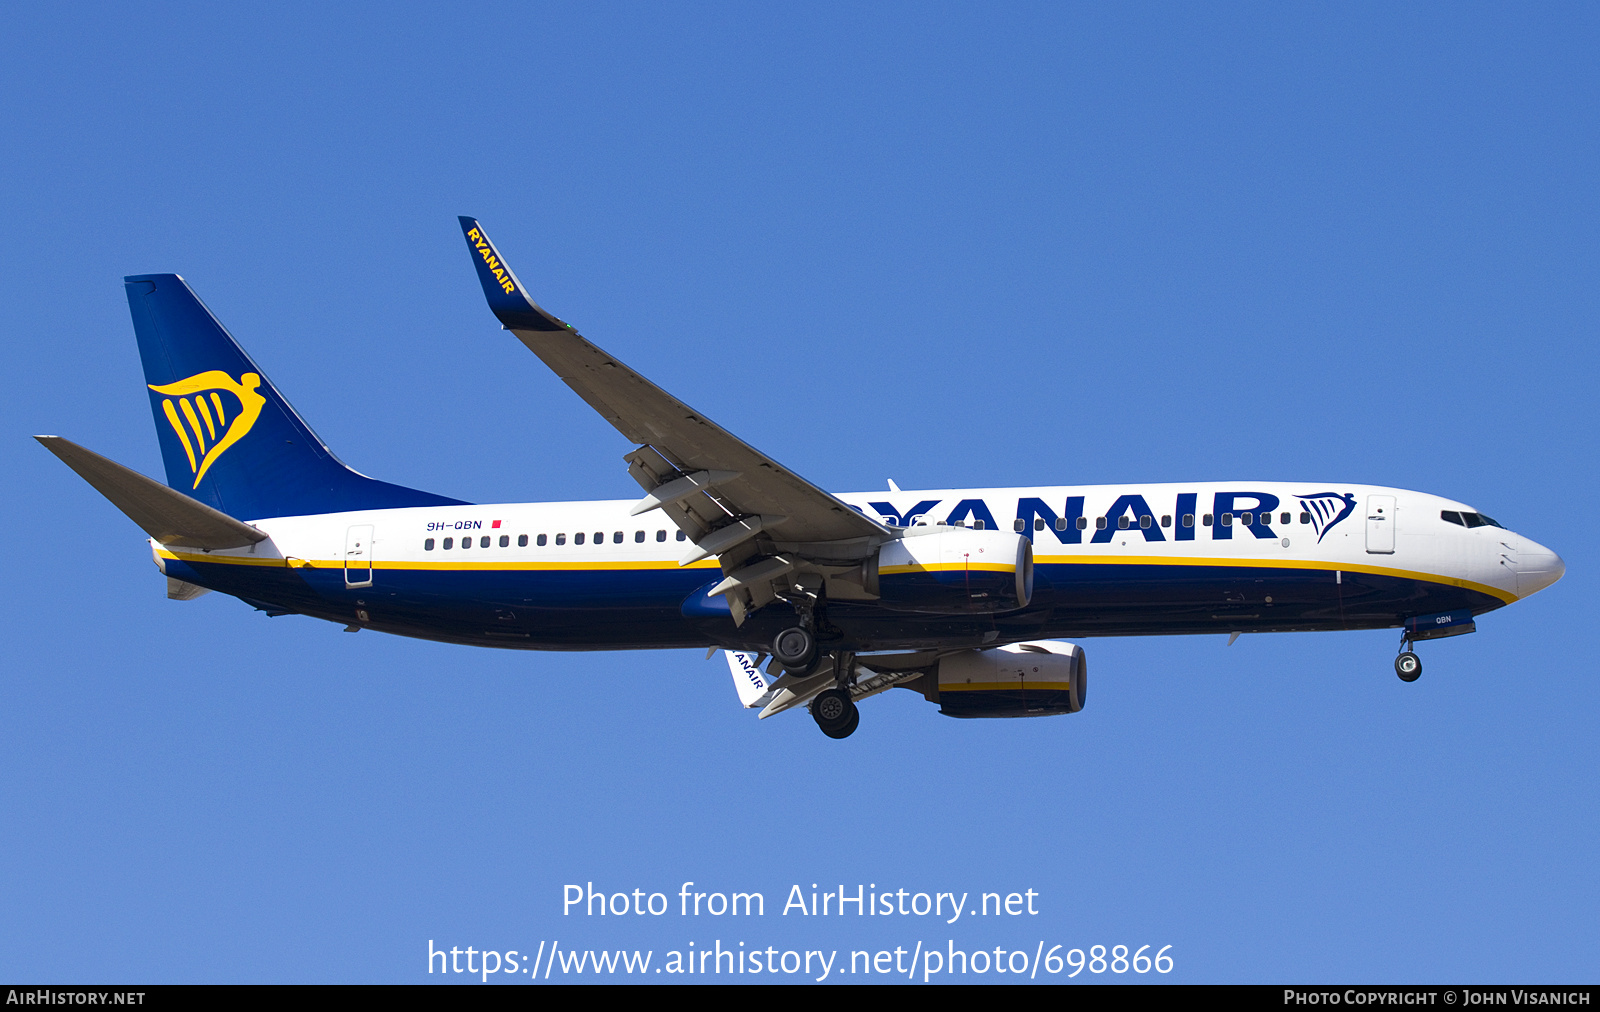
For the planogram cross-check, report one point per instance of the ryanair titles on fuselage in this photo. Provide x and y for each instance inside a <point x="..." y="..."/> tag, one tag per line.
<point x="1253" y="511"/>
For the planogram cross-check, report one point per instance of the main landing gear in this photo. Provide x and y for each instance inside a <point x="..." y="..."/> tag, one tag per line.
<point x="796" y="650"/>
<point x="1407" y="665"/>
<point x="835" y="713"/>
<point x="833" y="709"/>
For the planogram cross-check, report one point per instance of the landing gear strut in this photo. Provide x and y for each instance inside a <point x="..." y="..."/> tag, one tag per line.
<point x="1408" y="665"/>
<point x="796" y="647"/>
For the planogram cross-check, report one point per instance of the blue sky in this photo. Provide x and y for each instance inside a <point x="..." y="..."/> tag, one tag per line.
<point x="945" y="244"/>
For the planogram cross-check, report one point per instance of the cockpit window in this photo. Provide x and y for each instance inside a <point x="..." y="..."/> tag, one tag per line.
<point x="1466" y="519"/>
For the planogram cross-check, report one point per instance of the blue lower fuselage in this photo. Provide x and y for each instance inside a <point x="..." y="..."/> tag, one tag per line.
<point x="663" y="608"/>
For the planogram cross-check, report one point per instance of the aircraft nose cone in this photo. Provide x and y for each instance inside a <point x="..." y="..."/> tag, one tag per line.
<point x="1537" y="568"/>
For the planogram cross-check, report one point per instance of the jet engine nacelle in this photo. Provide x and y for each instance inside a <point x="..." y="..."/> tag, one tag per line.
<point x="955" y="570"/>
<point x="1033" y="679"/>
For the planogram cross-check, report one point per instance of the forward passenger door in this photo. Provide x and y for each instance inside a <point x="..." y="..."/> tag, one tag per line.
<point x="1380" y="524"/>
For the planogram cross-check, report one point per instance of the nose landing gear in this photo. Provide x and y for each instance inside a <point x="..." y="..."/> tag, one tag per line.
<point x="1407" y="665"/>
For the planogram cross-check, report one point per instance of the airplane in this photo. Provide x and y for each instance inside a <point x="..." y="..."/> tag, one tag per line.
<point x="967" y="596"/>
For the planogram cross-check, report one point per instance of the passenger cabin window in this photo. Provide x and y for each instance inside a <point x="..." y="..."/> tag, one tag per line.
<point x="427" y="546"/>
<point x="1305" y="518"/>
<point x="483" y="542"/>
<point x="505" y="540"/>
<point x="542" y="540"/>
<point x="561" y="539"/>
<point x="661" y="535"/>
<point x="1283" y="518"/>
<point x="977" y="525"/>
<point x="682" y="536"/>
<point x="1122" y="523"/>
<point x="1205" y="521"/>
<point x="1146" y="520"/>
<point x="616" y="538"/>
<point x="1248" y="519"/>
<point x="599" y="537"/>
<point x="577" y="539"/>
<point x="1188" y="520"/>
<point x="449" y="543"/>
<point x="1019" y="525"/>
<point x="466" y="543"/>
<point x="1166" y="520"/>
<point x="638" y="537"/>
<point x="1038" y="523"/>
<point x="1099" y="523"/>
<point x="1061" y="523"/>
<point x="1083" y="523"/>
<point x="522" y="540"/>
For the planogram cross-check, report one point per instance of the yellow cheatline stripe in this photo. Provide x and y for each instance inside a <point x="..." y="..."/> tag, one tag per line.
<point x="947" y="567"/>
<point x="232" y="560"/>
<point x="1347" y="567"/>
<point x="246" y="560"/>
<point x="997" y="686"/>
<point x="561" y="566"/>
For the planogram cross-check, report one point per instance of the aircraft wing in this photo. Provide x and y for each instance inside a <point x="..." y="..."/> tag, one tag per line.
<point x="719" y="489"/>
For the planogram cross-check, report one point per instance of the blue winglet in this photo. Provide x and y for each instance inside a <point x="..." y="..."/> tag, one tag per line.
<point x="507" y="298"/>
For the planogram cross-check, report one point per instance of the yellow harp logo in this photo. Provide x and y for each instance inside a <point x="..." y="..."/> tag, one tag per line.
<point x="201" y="419"/>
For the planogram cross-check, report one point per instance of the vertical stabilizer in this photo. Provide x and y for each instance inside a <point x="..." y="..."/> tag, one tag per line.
<point x="228" y="438"/>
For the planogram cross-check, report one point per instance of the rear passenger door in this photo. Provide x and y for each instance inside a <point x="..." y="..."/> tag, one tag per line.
<point x="358" y="556"/>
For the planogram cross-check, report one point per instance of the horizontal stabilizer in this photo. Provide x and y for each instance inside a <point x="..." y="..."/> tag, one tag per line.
<point x="166" y="514"/>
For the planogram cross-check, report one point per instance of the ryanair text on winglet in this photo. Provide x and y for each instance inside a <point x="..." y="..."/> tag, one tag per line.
<point x="486" y="251"/>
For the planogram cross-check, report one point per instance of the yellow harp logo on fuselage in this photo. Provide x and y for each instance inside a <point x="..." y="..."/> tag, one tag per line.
<point x="195" y="408"/>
